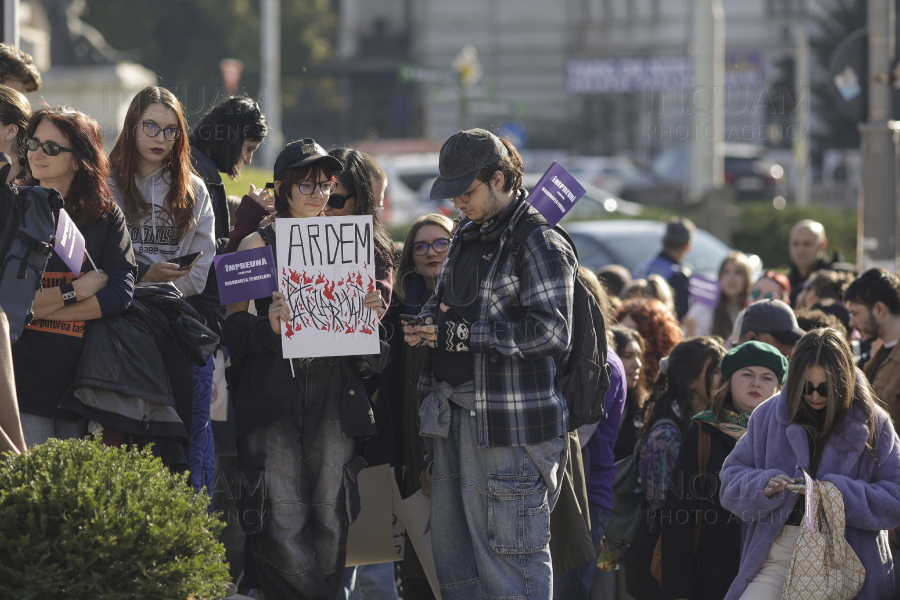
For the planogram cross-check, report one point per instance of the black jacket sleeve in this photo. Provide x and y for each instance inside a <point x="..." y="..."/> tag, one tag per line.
<point x="677" y="522"/>
<point x="680" y="283"/>
<point x="246" y="334"/>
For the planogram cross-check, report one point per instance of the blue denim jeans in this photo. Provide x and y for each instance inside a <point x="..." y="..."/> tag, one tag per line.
<point x="203" y="450"/>
<point x="490" y="518"/>
<point x="296" y="478"/>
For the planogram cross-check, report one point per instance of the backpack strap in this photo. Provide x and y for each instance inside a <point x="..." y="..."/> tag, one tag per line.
<point x="524" y="229"/>
<point x="703" y="446"/>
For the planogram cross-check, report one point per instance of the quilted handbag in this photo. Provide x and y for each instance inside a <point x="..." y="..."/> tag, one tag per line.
<point x="823" y="565"/>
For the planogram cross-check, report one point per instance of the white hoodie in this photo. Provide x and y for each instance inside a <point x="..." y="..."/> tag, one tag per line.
<point x="153" y="240"/>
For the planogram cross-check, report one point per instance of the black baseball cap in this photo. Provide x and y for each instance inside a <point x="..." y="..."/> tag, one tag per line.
<point x="463" y="155"/>
<point x="773" y="317"/>
<point x="302" y="153"/>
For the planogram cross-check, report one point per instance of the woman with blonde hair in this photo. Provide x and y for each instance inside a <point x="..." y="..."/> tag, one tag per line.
<point x="424" y="252"/>
<point x="827" y="422"/>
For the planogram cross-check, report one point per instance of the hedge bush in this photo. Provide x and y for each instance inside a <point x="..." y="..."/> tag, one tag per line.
<point x="80" y="520"/>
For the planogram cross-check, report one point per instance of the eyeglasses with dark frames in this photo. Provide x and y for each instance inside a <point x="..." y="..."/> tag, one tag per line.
<point x="307" y="187"/>
<point x="49" y="148"/>
<point x="152" y="129"/>
<point x="468" y="194"/>
<point x="440" y="246"/>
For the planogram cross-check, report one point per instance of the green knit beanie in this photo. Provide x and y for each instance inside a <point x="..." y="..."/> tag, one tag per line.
<point x="754" y="354"/>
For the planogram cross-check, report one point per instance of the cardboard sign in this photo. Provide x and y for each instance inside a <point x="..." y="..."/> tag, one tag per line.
<point x="69" y="243"/>
<point x="415" y="512"/>
<point x="370" y="538"/>
<point x="326" y="267"/>
<point x="246" y="275"/>
<point x="555" y="194"/>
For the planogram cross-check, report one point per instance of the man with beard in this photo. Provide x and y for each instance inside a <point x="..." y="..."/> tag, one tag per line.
<point x="492" y="413"/>
<point x="873" y="301"/>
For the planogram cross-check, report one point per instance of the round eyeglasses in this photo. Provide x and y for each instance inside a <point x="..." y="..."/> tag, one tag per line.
<point x="49" y="148"/>
<point x="151" y="129"/>
<point x="307" y="187"/>
<point x="440" y="246"/>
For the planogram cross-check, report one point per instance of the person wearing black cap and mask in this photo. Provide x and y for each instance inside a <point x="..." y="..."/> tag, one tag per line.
<point x="676" y="243"/>
<point x="295" y="426"/>
<point x="493" y="416"/>
<point x="771" y="322"/>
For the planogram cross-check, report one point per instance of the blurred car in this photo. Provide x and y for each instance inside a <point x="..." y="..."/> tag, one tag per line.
<point x="748" y="171"/>
<point x="610" y="173"/>
<point x="409" y="180"/>
<point x="596" y="203"/>
<point x="626" y="242"/>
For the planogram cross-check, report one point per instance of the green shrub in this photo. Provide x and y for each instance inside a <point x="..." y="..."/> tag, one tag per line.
<point x="80" y="520"/>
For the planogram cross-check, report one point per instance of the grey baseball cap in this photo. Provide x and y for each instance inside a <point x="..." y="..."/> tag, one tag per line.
<point x="773" y="317"/>
<point x="463" y="155"/>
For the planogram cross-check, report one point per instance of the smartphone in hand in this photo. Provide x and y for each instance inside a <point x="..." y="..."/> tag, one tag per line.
<point x="411" y="320"/>
<point x="187" y="261"/>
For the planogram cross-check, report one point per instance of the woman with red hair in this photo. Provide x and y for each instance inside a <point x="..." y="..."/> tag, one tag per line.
<point x="65" y="152"/>
<point x="656" y="324"/>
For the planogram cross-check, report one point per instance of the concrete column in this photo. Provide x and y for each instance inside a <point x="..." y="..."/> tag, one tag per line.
<point x="877" y="242"/>
<point x="706" y="100"/>
<point x="270" y="42"/>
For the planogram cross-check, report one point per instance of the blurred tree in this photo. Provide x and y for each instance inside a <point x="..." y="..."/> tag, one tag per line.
<point x="184" y="40"/>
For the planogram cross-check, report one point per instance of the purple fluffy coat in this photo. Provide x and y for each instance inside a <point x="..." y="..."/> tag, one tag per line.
<point x="773" y="446"/>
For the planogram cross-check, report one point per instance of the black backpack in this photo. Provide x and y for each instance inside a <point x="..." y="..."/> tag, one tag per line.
<point x="586" y="377"/>
<point x="28" y="219"/>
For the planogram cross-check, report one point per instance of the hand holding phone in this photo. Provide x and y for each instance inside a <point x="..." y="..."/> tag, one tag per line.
<point x="411" y="320"/>
<point x="187" y="261"/>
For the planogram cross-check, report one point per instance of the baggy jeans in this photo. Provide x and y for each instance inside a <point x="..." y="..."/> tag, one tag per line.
<point x="490" y="518"/>
<point x="296" y="478"/>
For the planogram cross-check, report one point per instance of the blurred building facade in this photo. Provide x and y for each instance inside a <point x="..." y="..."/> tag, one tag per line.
<point x="528" y="53"/>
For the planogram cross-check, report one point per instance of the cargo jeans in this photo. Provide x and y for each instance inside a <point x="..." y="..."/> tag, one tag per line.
<point x="297" y="480"/>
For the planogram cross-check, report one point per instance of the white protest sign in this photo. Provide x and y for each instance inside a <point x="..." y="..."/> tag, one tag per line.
<point x="325" y="269"/>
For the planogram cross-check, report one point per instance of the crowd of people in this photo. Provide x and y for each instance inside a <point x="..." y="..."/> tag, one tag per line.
<point x="715" y="410"/>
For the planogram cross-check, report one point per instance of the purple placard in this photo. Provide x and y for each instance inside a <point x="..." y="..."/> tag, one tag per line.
<point x="555" y="194"/>
<point x="246" y="275"/>
<point x="704" y="290"/>
<point x="69" y="243"/>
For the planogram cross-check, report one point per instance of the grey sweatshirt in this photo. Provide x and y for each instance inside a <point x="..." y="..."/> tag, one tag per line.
<point x="153" y="240"/>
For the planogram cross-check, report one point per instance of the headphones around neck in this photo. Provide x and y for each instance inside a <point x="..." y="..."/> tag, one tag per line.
<point x="491" y="230"/>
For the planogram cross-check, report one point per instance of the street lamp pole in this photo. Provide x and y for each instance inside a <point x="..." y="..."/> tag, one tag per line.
<point x="270" y="96"/>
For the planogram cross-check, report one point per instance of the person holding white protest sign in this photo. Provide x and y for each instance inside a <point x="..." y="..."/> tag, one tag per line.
<point x="297" y="420"/>
<point x="65" y="152"/>
<point x="169" y="216"/>
<point x="826" y="423"/>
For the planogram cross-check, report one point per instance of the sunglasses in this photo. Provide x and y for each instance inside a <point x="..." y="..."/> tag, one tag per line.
<point x="337" y="201"/>
<point x="440" y="246"/>
<point x="822" y="389"/>
<point x="151" y="129"/>
<point x="755" y="295"/>
<point x="49" y="148"/>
